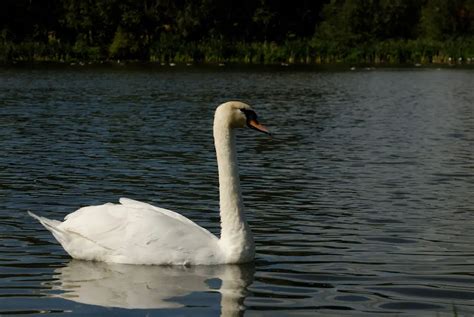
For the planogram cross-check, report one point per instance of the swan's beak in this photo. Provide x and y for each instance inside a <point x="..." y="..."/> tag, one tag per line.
<point x="254" y="124"/>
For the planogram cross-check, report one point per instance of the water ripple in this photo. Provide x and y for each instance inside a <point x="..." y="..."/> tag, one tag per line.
<point x="361" y="204"/>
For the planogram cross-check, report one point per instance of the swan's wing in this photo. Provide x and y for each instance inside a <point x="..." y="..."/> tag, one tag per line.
<point x="136" y="232"/>
<point x="138" y="204"/>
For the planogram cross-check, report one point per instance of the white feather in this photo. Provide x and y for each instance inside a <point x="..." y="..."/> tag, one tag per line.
<point x="134" y="232"/>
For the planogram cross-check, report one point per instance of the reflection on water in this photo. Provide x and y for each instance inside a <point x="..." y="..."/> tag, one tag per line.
<point x="361" y="204"/>
<point x="147" y="287"/>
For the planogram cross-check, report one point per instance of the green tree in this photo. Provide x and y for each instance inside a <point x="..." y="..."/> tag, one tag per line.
<point x="444" y="19"/>
<point x="397" y="19"/>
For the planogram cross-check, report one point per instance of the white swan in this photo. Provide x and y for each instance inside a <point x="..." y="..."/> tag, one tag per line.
<point x="134" y="232"/>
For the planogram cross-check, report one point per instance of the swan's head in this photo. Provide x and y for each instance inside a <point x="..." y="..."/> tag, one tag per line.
<point x="239" y="115"/>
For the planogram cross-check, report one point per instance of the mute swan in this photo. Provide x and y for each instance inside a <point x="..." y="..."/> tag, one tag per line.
<point x="134" y="232"/>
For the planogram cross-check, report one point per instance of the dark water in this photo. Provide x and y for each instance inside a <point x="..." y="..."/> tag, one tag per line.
<point x="361" y="204"/>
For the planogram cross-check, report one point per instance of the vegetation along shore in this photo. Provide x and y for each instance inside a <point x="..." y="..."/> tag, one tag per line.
<point x="247" y="31"/>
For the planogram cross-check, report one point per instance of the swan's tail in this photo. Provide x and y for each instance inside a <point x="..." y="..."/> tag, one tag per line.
<point x="51" y="225"/>
<point x="76" y="245"/>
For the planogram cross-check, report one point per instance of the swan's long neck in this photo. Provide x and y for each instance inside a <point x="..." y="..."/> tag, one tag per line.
<point x="236" y="238"/>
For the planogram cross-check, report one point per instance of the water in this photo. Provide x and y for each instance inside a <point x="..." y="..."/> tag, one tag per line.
<point x="361" y="204"/>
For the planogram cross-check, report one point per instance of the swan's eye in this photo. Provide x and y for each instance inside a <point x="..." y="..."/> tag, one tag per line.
<point x="249" y="114"/>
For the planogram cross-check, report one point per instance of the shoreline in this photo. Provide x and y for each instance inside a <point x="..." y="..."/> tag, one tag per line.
<point x="131" y="64"/>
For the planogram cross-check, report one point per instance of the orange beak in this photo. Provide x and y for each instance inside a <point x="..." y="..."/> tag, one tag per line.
<point x="257" y="126"/>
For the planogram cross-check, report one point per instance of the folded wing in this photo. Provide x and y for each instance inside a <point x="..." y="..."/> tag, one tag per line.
<point x="137" y="233"/>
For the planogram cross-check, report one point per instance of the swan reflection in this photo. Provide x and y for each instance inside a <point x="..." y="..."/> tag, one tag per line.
<point x="147" y="287"/>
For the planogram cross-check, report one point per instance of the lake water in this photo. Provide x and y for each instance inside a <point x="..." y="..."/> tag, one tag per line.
<point x="362" y="204"/>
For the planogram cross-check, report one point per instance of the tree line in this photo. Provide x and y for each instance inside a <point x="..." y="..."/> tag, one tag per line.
<point x="243" y="31"/>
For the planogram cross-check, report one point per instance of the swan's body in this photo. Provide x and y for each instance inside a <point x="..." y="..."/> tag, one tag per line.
<point x="134" y="232"/>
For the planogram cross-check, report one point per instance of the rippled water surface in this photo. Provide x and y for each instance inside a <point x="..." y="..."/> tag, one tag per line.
<point x="361" y="204"/>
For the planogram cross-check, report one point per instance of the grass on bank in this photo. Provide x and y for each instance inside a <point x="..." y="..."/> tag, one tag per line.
<point x="313" y="51"/>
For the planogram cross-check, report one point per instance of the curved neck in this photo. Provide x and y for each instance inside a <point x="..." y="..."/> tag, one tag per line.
<point x="236" y="237"/>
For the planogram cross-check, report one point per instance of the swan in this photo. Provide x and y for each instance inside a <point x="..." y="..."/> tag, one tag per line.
<point x="134" y="232"/>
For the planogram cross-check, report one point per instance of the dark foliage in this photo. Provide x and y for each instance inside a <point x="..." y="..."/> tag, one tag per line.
<point x="251" y="31"/>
